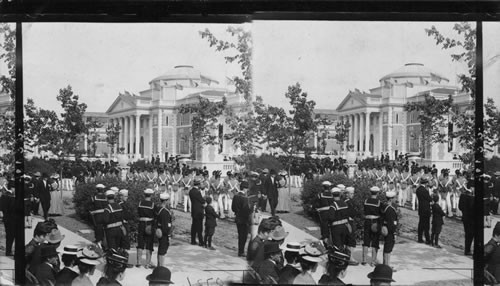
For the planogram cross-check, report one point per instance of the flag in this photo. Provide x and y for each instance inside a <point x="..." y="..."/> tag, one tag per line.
<point x="229" y="81"/>
<point x="423" y="81"/>
<point x="178" y="86"/>
<point x="435" y="77"/>
<point x="409" y="84"/>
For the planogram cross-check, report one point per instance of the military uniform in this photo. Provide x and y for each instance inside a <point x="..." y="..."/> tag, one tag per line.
<point x="113" y="220"/>
<point x="338" y="219"/>
<point x="351" y="237"/>
<point x="7" y="206"/>
<point x="99" y="202"/>
<point x="163" y="222"/>
<point x="145" y="210"/>
<point x="372" y="216"/>
<point x="390" y="219"/>
<point x="324" y="203"/>
<point x="127" y="216"/>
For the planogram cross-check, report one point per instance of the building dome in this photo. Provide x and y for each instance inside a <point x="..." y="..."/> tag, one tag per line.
<point x="415" y="70"/>
<point x="184" y="72"/>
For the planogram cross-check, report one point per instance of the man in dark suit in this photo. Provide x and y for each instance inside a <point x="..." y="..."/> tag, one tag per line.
<point x="291" y="270"/>
<point x="272" y="191"/>
<point x="7" y="211"/>
<point x="43" y="189"/>
<point x="197" y="212"/>
<point x="264" y="177"/>
<point x="210" y="224"/>
<point x="466" y="206"/>
<point x="241" y="209"/>
<point x="268" y="268"/>
<point x="36" y="193"/>
<point x="46" y="273"/>
<point x="67" y="274"/>
<point x="424" y="211"/>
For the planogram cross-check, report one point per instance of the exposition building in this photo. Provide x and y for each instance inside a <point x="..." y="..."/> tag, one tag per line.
<point x="151" y="124"/>
<point x="379" y="124"/>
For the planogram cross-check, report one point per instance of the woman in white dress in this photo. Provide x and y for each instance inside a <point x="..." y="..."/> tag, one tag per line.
<point x="284" y="204"/>
<point x="56" y="202"/>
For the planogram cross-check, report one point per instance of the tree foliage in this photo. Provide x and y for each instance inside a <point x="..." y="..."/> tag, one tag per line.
<point x="491" y="124"/>
<point x="8" y="86"/>
<point x="463" y="45"/>
<point x="112" y="132"/>
<point x="204" y="120"/>
<point x="342" y="132"/>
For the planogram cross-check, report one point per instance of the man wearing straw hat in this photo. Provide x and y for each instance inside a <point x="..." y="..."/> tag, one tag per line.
<point x="288" y="273"/>
<point x="68" y="273"/>
<point x="145" y="237"/>
<point x="310" y="257"/>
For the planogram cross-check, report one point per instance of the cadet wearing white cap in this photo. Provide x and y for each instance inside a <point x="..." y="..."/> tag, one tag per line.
<point x="99" y="202"/>
<point x="351" y="237"/>
<point x="372" y="211"/>
<point x="338" y="219"/>
<point x="113" y="221"/>
<point x="390" y="223"/>
<point x="127" y="216"/>
<point x="145" y="236"/>
<point x="114" y="189"/>
<point x="341" y="187"/>
<point x="324" y="203"/>
<point x="163" y="228"/>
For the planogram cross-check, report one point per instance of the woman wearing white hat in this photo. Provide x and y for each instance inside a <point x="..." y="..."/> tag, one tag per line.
<point x="88" y="259"/>
<point x="310" y="256"/>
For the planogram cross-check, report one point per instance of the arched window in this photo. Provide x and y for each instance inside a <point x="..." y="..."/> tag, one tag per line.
<point x="397" y="119"/>
<point x="166" y="120"/>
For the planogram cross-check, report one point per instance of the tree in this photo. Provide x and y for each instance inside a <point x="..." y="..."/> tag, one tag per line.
<point x="492" y="124"/>
<point x="41" y="128"/>
<point x="465" y="48"/>
<point x="93" y="136"/>
<point x="342" y="133"/>
<point x="432" y="115"/>
<point x="8" y="86"/>
<point x="243" y="125"/>
<point x="112" y="132"/>
<point x="204" y="120"/>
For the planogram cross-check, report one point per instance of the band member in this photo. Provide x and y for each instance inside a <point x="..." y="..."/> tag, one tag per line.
<point x="99" y="203"/>
<point x="405" y="188"/>
<point x="187" y="184"/>
<point x="216" y="185"/>
<point x="325" y="201"/>
<point x="162" y="181"/>
<point x="176" y="188"/>
<point x="232" y="187"/>
<point x="338" y="220"/>
<point x="415" y="182"/>
<point x="390" y="222"/>
<point x="379" y="177"/>
<point x="127" y="216"/>
<point x="145" y="237"/>
<point x="113" y="221"/>
<point x="205" y="184"/>
<point x="351" y="237"/>
<point x="163" y="228"/>
<point x="372" y="210"/>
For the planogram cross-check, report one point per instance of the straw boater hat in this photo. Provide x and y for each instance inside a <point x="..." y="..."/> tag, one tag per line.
<point x="349" y="190"/>
<point x="279" y="233"/>
<point x="110" y="193"/>
<point x="37" y="174"/>
<point x="312" y="252"/>
<point x="164" y="196"/>
<point x="90" y="255"/>
<point x="326" y="183"/>
<point x="114" y="189"/>
<point x="160" y="275"/>
<point x="148" y="191"/>
<point x="55" y="236"/>
<point x="124" y="192"/>
<point x="374" y="189"/>
<point x="390" y="194"/>
<point x="335" y="190"/>
<point x="70" y="250"/>
<point x="100" y="186"/>
<point x="292" y="246"/>
<point x="341" y="187"/>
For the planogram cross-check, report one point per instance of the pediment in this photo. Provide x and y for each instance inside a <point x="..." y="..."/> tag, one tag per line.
<point x="351" y="102"/>
<point x="120" y="103"/>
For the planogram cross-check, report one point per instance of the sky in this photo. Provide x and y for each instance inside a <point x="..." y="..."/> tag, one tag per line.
<point x="491" y="52"/>
<point x="327" y="58"/>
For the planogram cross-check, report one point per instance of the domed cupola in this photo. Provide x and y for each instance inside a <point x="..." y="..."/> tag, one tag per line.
<point x="412" y="72"/>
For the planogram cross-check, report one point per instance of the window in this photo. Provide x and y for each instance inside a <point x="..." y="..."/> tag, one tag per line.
<point x="385" y="117"/>
<point x="221" y="138"/>
<point x="396" y="142"/>
<point x="450" y="136"/>
<point x="155" y="120"/>
<point x="166" y="120"/>
<point x="397" y="119"/>
<point x="184" y="119"/>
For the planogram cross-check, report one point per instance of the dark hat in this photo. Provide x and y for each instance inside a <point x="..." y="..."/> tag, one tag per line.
<point x="381" y="272"/>
<point x="339" y="257"/>
<point x="496" y="230"/>
<point x="48" y="251"/>
<point x="42" y="227"/>
<point x="197" y="181"/>
<point x="271" y="247"/>
<point x="244" y="185"/>
<point x="117" y="258"/>
<point x="160" y="275"/>
<point x="424" y="181"/>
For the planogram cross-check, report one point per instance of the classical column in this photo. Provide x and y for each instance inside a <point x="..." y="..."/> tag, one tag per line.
<point x="131" y="134"/>
<point x="150" y="122"/>
<point x="389" y="133"/>
<point x="367" y="132"/>
<point x="361" y="131"/>
<point x="122" y="131"/>
<point x="126" y="135"/>
<point x="85" y="147"/>
<point x="351" y="129"/>
<point x="137" y="135"/>
<point x="356" y="132"/>
<point x="159" y="149"/>
<point x="380" y="132"/>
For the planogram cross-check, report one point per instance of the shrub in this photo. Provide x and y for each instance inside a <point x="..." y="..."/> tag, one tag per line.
<point x="83" y="200"/>
<point x="362" y="187"/>
<point x="38" y="165"/>
<point x="492" y="165"/>
<point x="264" y="161"/>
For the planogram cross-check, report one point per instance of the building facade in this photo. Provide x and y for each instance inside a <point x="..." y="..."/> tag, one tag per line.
<point x="380" y="125"/>
<point x="151" y="124"/>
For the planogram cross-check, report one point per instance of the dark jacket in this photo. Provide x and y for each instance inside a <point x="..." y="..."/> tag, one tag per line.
<point x="492" y="258"/>
<point x="287" y="274"/>
<point x="210" y="217"/>
<point x="268" y="271"/>
<point x="241" y="208"/>
<point x="46" y="274"/>
<point x="103" y="281"/>
<point x="437" y="214"/>
<point x="424" y="201"/>
<point x="42" y="189"/>
<point x="466" y="206"/>
<point x="197" y="202"/>
<point x="271" y="188"/>
<point x="65" y="277"/>
<point x="255" y="250"/>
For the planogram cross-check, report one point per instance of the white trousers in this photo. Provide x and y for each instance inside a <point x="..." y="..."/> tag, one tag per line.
<point x="413" y="200"/>
<point x="174" y="199"/>
<point x="187" y="203"/>
<point x="223" y="204"/>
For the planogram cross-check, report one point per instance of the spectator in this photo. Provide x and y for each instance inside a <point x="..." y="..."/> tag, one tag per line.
<point x="492" y="257"/>
<point x="88" y="259"/>
<point x="210" y="223"/>
<point x="68" y="273"/>
<point x="46" y="272"/>
<point x="160" y="277"/>
<point x="288" y="273"/>
<point x="255" y="251"/>
<point x="336" y="267"/>
<point x="268" y="268"/>
<point x="310" y="256"/>
<point x="33" y="251"/>
<point x="114" y="271"/>
<point x="381" y="276"/>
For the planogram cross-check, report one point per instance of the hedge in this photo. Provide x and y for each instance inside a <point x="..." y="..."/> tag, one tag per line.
<point x="362" y="187"/>
<point x="83" y="200"/>
<point x="38" y="165"/>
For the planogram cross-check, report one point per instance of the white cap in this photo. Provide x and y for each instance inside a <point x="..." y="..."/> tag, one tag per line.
<point x="349" y="189"/>
<point x="100" y="186"/>
<point x="326" y="183"/>
<point x="164" y="196"/>
<point x="335" y="190"/>
<point x="374" y="189"/>
<point x="341" y="187"/>
<point x="114" y="189"/>
<point x="124" y="192"/>
<point x="110" y="193"/>
<point x="148" y="191"/>
<point x="390" y="194"/>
